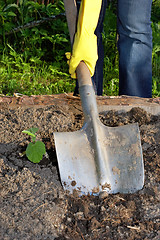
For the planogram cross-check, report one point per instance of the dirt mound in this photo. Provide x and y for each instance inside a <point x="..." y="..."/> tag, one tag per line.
<point x="33" y="203"/>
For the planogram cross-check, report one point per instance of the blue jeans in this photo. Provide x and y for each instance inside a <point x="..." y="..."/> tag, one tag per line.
<point x="134" y="46"/>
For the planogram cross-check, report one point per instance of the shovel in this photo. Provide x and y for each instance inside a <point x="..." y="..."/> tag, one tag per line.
<point x="98" y="158"/>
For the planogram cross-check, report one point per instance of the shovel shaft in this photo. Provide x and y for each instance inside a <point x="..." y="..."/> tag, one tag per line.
<point x="83" y="75"/>
<point x="82" y="71"/>
<point x="71" y="15"/>
<point x="89" y="104"/>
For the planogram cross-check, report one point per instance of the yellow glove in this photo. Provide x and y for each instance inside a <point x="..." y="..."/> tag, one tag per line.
<point x="85" y="41"/>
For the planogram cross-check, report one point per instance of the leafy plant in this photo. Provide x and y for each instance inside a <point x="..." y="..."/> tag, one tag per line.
<point x="35" y="149"/>
<point x="111" y="69"/>
<point x="156" y="58"/>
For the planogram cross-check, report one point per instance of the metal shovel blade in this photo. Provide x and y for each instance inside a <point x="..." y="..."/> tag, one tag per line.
<point x="99" y="158"/>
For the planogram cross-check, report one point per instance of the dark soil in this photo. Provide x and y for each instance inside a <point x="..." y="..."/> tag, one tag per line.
<point x="33" y="204"/>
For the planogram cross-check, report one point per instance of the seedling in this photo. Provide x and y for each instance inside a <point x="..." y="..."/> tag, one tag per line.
<point x="35" y="149"/>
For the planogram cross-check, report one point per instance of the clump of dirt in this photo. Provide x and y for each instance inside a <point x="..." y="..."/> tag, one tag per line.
<point x="33" y="203"/>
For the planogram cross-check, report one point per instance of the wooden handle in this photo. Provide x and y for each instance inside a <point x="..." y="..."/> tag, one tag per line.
<point x="71" y="15"/>
<point x="83" y="75"/>
<point x="82" y="71"/>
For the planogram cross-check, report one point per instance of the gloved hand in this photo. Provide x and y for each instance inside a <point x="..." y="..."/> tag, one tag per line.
<point x="85" y="41"/>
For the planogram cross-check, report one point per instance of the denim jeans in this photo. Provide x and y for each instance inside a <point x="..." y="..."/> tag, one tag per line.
<point x="134" y="46"/>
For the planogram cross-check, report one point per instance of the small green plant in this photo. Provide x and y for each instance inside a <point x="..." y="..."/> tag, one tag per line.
<point x="35" y="149"/>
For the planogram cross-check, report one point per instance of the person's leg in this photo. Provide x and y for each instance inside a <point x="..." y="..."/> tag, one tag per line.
<point x="135" y="47"/>
<point x="97" y="79"/>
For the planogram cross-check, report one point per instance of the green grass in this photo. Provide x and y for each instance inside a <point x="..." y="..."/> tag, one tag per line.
<point x="156" y="59"/>
<point x="32" y="78"/>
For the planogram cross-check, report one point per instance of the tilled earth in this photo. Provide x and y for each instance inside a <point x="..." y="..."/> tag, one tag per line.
<point x="33" y="204"/>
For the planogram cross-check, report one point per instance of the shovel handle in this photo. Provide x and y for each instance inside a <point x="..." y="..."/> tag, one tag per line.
<point x="83" y="74"/>
<point x="71" y="15"/>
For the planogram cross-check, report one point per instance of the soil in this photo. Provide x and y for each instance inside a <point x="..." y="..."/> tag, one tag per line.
<point x="33" y="204"/>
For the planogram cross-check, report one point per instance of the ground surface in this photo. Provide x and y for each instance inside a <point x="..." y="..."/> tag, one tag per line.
<point x="33" y="204"/>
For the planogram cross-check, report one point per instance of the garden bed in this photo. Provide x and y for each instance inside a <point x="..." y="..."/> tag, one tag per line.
<point x="33" y="202"/>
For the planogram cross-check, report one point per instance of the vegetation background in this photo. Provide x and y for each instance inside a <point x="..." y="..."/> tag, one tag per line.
<point x="34" y="38"/>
